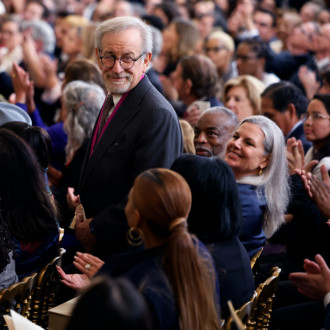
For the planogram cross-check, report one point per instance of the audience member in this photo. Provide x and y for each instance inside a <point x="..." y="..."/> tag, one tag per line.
<point x="309" y="11"/>
<point x="220" y="48"/>
<point x="72" y="39"/>
<point x="214" y="129"/>
<point x="216" y="219"/>
<point x="179" y="40"/>
<point x="166" y="11"/>
<point x="323" y="16"/>
<point x="286" y="23"/>
<point x="240" y="21"/>
<point x="285" y="104"/>
<point x="242" y="96"/>
<point x="251" y="60"/>
<point x="317" y="130"/>
<point x="35" y="10"/>
<point x="196" y="82"/>
<point x="256" y="154"/>
<point x="315" y="283"/>
<point x="39" y="141"/>
<point x="11" y="41"/>
<point x="26" y="206"/>
<point x="111" y="303"/>
<point x="81" y="105"/>
<point x="142" y="132"/>
<point x="265" y="22"/>
<point x="157" y="43"/>
<point x="171" y="256"/>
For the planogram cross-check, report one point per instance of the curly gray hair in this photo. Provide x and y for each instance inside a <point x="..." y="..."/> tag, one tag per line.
<point x="83" y="102"/>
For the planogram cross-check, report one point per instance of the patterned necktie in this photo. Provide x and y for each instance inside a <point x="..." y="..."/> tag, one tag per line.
<point x="105" y="113"/>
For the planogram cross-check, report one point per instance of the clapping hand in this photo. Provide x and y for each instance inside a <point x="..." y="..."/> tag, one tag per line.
<point x="88" y="264"/>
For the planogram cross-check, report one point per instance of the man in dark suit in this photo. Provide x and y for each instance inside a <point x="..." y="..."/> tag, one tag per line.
<point x="284" y="103"/>
<point x="136" y="130"/>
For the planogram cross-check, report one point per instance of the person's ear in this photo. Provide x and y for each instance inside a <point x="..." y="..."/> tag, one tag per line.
<point x="292" y="111"/>
<point x="188" y="86"/>
<point x="146" y="61"/>
<point x="265" y="162"/>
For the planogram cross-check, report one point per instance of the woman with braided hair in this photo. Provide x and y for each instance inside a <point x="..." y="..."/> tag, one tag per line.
<point x="174" y="272"/>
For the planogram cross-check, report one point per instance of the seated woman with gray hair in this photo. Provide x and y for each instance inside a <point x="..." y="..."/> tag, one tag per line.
<point x="256" y="155"/>
<point x="82" y="102"/>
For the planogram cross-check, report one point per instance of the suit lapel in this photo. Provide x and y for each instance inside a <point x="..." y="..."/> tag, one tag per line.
<point x="127" y="111"/>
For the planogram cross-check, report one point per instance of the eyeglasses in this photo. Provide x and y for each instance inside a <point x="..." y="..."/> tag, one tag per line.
<point x="314" y="116"/>
<point x="214" y="49"/>
<point x="245" y="57"/>
<point x="126" y="62"/>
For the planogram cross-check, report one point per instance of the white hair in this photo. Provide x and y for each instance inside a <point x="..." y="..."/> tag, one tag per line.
<point x="122" y="23"/>
<point x="274" y="180"/>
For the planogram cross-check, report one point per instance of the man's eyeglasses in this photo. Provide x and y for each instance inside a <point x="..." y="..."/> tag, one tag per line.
<point x="314" y="116"/>
<point x="126" y="62"/>
<point x="214" y="49"/>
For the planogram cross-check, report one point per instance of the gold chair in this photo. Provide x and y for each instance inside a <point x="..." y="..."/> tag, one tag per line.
<point x="255" y="258"/>
<point x="242" y="314"/>
<point x="261" y="313"/>
<point x="17" y="297"/>
<point x="45" y="291"/>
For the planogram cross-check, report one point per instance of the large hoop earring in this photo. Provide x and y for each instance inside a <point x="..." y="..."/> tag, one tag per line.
<point x="133" y="238"/>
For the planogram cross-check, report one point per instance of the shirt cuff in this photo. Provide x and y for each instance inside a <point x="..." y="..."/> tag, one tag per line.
<point x="326" y="300"/>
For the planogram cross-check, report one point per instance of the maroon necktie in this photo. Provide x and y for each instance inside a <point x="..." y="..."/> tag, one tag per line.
<point x="105" y="113"/>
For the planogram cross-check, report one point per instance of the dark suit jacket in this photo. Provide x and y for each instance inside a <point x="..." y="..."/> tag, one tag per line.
<point x="234" y="273"/>
<point x="144" y="133"/>
<point x="299" y="134"/>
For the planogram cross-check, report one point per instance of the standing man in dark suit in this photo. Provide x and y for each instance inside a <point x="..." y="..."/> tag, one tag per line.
<point x="137" y="129"/>
<point x="284" y="103"/>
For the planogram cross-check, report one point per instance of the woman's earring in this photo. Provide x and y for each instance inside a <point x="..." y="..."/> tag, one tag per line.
<point x="260" y="171"/>
<point x="135" y="236"/>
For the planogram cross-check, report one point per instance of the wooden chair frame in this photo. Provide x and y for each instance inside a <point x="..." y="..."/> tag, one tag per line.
<point x="17" y="297"/>
<point x="261" y="314"/>
<point x="45" y="291"/>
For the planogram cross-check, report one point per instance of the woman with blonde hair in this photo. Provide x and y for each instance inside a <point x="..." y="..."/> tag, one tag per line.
<point x="242" y="96"/>
<point x="174" y="272"/>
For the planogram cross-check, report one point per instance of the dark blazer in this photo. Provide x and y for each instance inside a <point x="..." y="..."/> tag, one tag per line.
<point x="299" y="134"/>
<point x="145" y="269"/>
<point x="234" y="273"/>
<point x="144" y="133"/>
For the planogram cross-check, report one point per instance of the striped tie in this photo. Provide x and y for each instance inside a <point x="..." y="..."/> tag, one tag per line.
<point x="105" y="113"/>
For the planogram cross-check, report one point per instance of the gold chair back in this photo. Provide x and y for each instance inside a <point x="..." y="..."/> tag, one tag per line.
<point x="261" y="314"/>
<point x="243" y="313"/>
<point x="45" y="291"/>
<point x="17" y="297"/>
<point x="255" y="258"/>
